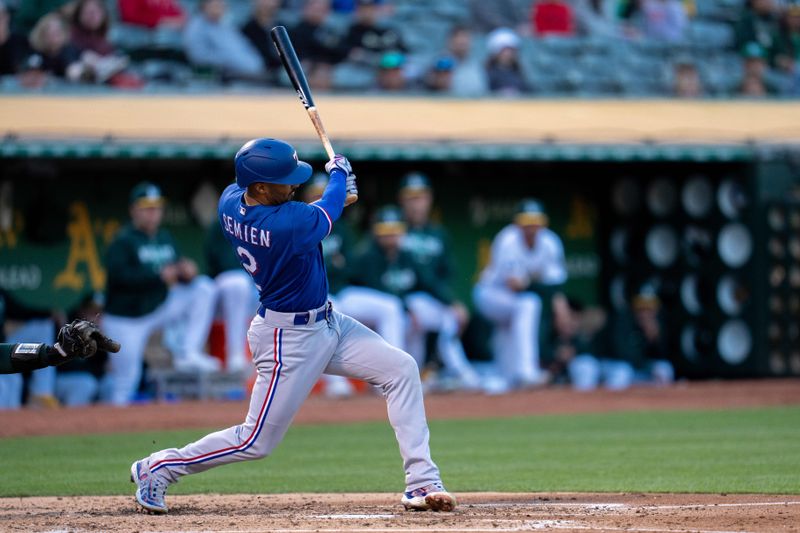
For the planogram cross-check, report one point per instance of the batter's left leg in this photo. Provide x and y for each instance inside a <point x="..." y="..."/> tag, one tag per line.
<point x="289" y="362"/>
<point x="365" y="355"/>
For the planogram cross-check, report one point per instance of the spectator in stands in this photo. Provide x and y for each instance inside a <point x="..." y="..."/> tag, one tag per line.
<point x="439" y="78"/>
<point x="687" y="82"/>
<point x="256" y="29"/>
<point x="368" y="39"/>
<point x="787" y="46"/>
<point x="664" y="20"/>
<point x="755" y="69"/>
<point x="150" y="286"/>
<point x="552" y="17"/>
<point x="152" y="13"/>
<point x="503" y="67"/>
<point x="53" y="54"/>
<point x="314" y="40"/>
<point x="78" y="381"/>
<point x="469" y="76"/>
<point x="212" y="42"/>
<point x="13" y="47"/>
<point x="100" y="62"/>
<point x="598" y="18"/>
<point x="639" y="338"/>
<point x="29" y="12"/>
<point x="237" y="297"/>
<point x="753" y="87"/>
<point x="489" y="16"/>
<point x="758" y="24"/>
<point x="90" y="24"/>
<point x="390" y="72"/>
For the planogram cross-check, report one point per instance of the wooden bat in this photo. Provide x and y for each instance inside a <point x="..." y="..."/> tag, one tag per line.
<point x="280" y="37"/>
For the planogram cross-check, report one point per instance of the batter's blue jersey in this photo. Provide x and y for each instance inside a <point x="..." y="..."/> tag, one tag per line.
<point x="280" y="246"/>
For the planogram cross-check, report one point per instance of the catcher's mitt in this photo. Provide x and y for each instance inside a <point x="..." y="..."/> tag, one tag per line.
<point x="82" y="338"/>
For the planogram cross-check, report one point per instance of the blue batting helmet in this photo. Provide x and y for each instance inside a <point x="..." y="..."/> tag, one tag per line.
<point x="269" y="161"/>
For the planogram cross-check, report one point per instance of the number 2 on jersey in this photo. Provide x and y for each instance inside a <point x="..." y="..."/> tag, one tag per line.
<point x="248" y="261"/>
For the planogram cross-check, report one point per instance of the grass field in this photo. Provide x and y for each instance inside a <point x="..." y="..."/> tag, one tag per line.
<point x="748" y="451"/>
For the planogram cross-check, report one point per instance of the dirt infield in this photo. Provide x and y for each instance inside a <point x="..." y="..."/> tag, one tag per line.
<point x="663" y="513"/>
<point x="378" y="513"/>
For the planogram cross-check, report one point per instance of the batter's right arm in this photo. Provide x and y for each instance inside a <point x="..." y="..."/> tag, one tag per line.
<point x="313" y="222"/>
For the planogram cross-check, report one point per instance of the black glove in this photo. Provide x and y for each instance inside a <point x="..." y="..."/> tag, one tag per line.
<point x="82" y="338"/>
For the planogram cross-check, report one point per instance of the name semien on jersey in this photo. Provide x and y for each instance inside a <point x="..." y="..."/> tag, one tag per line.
<point x="243" y="232"/>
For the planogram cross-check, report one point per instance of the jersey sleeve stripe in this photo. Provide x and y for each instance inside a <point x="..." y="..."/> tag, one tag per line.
<point x="330" y="222"/>
<point x="262" y="416"/>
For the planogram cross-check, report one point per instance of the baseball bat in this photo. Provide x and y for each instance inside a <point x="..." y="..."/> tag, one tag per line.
<point x="280" y="37"/>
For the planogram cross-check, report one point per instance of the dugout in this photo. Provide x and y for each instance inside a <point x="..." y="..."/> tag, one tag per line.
<point x="699" y="198"/>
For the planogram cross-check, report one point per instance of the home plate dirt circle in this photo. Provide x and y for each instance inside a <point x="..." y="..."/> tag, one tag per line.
<point x="382" y="513"/>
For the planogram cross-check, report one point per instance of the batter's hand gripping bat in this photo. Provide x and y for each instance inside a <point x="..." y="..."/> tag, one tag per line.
<point x="295" y="71"/>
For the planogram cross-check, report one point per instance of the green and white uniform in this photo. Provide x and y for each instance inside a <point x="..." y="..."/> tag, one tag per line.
<point x="139" y="302"/>
<point x="430" y="246"/>
<point x="419" y="289"/>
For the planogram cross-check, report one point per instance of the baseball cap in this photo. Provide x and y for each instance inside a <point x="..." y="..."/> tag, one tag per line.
<point x="389" y="221"/>
<point x="753" y="50"/>
<point x="530" y="212"/>
<point x="391" y="60"/>
<point x="146" y="194"/>
<point x="414" y="183"/>
<point x="502" y="38"/>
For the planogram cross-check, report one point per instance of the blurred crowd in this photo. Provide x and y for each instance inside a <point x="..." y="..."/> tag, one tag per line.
<point x="397" y="277"/>
<point x="469" y="48"/>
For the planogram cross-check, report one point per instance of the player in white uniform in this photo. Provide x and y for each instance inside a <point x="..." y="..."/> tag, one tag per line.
<point x="296" y="335"/>
<point x="525" y="271"/>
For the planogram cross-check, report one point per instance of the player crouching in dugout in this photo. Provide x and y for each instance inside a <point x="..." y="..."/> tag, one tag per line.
<point x="151" y="287"/>
<point x="518" y="291"/>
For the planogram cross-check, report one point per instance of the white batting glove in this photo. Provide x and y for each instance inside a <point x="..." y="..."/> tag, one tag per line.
<point x="351" y="187"/>
<point x="339" y="161"/>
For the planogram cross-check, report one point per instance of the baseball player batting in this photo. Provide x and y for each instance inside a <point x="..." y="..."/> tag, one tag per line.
<point x="296" y="335"/>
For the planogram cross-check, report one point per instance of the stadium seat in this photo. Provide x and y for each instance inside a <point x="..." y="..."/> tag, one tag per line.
<point x="708" y="34"/>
